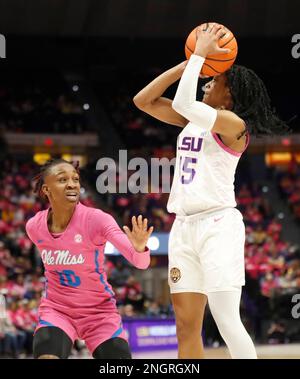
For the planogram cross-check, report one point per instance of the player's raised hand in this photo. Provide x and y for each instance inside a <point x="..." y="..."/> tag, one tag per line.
<point x="139" y="234"/>
<point x="207" y="40"/>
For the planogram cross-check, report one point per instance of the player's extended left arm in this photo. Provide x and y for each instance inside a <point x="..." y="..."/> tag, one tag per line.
<point x="197" y="112"/>
<point x="139" y="259"/>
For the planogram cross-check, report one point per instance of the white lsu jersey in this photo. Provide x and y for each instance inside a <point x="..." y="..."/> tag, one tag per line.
<point x="204" y="173"/>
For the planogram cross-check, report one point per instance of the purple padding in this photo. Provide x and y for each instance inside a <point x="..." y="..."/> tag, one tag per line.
<point x="151" y="334"/>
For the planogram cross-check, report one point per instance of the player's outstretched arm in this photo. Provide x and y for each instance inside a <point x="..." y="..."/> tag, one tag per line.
<point x="131" y="244"/>
<point x="150" y="99"/>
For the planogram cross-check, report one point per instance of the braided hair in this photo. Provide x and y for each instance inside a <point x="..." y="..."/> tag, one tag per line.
<point x="252" y="103"/>
<point x="45" y="171"/>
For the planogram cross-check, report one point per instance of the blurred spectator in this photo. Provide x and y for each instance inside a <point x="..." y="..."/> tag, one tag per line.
<point x="289" y="186"/>
<point x="127" y="311"/>
<point x="120" y="273"/>
<point x="133" y="294"/>
<point x="276" y="332"/>
<point x="269" y="284"/>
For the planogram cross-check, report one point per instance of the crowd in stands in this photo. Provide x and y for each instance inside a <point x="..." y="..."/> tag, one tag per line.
<point x="272" y="264"/>
<point x="289" y="186"/>
<point x="30" y="103"/>
<point x="137" y="129"/>
<point x="152" y="206"/>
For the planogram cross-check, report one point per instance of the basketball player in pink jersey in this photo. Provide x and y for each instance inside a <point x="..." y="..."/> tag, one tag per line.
<point x="206" y="243"/>
<point x="79" y="303"/>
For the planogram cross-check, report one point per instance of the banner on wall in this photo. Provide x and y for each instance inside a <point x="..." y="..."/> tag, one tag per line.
<point x="151" y="334"/>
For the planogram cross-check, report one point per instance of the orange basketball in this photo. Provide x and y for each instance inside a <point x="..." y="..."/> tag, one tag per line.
<point x="217" y="63"/>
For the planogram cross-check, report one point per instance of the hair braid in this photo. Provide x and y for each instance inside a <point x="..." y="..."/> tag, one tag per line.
<point x="252" y="102"/>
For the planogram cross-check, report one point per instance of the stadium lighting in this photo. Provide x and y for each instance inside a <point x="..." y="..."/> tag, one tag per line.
<point x="109" y="248"/>
<point x="153" y="243"/>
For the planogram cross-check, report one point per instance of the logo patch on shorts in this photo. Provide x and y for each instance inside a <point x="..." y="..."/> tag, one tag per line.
<point x="175" y="274"/>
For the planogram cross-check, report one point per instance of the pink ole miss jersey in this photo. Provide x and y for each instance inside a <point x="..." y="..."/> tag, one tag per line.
<point x="204" y="173"/>
<point x="75" y="277"/>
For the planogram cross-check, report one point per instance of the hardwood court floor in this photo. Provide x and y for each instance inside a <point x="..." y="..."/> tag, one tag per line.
<point x="289" y="351"/>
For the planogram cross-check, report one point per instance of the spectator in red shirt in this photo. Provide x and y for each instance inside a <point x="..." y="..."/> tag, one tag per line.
<point x="133" y="294"/>
<point x="268" y="285"/>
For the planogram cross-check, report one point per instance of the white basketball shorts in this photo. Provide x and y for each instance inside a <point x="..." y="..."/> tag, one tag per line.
<point x="206" y="253"/>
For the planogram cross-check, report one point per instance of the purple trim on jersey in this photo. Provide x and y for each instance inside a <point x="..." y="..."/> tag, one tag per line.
<point x="226" y="148"/>
<point x="102" y="280"/>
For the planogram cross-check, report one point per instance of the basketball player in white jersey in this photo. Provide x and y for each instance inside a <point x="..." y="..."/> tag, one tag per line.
<point x="206" y="244"/>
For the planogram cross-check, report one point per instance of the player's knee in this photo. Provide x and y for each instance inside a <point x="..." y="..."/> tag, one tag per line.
<point x="114" y="348"/>
<point x="187" y="327"/>
<point x="228" y="325"/>
<point x="51" y="343"/>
